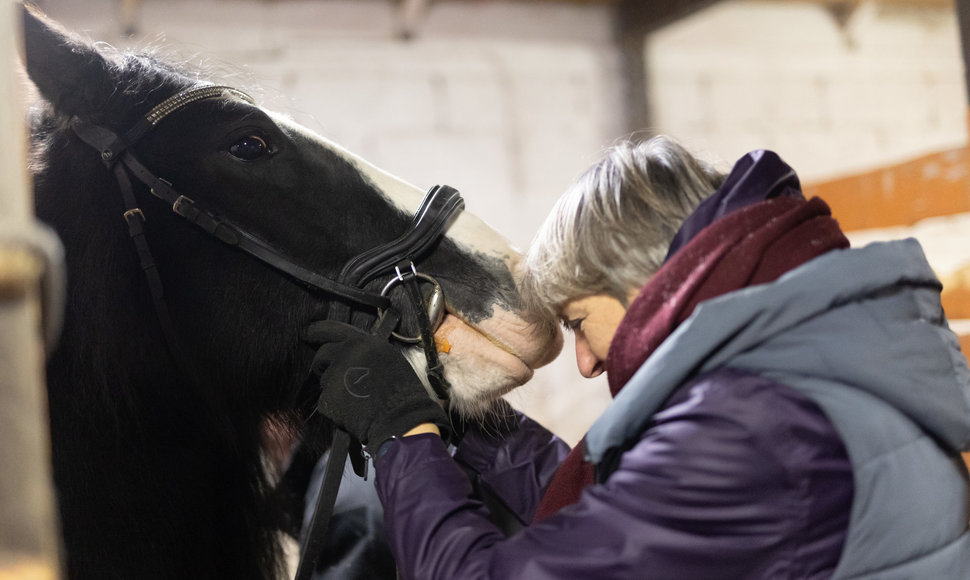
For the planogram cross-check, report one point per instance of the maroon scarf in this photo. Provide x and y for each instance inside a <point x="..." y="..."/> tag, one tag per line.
<point x="749" y="246"/>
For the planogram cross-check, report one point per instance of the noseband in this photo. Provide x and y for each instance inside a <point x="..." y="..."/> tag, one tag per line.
<point x="439" y="207"/>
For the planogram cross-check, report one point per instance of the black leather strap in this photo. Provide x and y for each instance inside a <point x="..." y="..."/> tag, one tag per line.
<point x="223" y="229"/>
<point x="135" y="219"/>
<point x="439" y="207"/>
<point x="314" y="538"/>
<point x="435" y="371"/>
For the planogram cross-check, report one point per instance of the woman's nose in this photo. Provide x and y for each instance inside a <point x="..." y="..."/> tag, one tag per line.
<point x="589" y="364"/>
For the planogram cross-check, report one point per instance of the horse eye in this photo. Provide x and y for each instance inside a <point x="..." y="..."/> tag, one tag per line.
<point x="249" y="148"/>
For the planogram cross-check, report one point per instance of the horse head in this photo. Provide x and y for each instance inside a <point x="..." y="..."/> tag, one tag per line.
<point x="117" y="391"/>
<point x="316" y="202"/>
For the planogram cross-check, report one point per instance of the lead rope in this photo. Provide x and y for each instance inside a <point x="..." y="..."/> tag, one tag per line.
<point x="314" y="538"/>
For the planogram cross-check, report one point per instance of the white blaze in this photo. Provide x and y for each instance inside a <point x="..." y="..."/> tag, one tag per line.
<point x="482" y="360"/>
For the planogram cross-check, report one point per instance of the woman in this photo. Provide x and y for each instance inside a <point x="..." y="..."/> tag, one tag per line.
<point x="784" y="407"/>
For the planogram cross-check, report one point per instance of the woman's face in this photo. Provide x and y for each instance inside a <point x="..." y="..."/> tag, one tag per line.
<point x="594" y="320"/>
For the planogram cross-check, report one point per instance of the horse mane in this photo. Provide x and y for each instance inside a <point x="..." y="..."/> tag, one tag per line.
<point x="128" y="409"/>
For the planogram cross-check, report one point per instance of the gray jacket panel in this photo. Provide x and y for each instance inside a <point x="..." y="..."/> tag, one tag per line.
<point x="862" y="333"/>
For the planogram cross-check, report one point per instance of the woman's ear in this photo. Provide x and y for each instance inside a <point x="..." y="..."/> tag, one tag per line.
<point x="631" y="295"/>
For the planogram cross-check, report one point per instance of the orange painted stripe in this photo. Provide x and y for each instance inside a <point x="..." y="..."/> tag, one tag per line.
<point x="956" y="303"/>
<point x="956" y="294"/>
<point x="900" y="195"/>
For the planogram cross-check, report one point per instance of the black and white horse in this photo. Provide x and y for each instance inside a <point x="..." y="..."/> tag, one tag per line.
<point x="159" y="464"/>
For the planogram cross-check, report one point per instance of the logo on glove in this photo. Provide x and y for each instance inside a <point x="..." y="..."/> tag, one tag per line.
<point x="353" y="382"/>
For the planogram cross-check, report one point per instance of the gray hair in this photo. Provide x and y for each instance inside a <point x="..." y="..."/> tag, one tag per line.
<point x="609" y="233"/>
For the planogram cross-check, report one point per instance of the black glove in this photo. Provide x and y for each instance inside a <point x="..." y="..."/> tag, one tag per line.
<point x="368" y="387"/>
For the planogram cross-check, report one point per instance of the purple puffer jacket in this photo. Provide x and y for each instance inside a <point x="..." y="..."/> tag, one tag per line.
<point x="737" y="477"/>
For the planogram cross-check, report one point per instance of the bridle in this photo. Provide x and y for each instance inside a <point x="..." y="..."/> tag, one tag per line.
<point x="437" y="210"/>
<point x="435" y="213"/>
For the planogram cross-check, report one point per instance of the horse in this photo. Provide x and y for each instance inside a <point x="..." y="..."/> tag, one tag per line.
<point x="159" y="429"/>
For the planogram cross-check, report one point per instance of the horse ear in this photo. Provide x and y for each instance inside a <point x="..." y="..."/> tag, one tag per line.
<point x="68" y="72"/>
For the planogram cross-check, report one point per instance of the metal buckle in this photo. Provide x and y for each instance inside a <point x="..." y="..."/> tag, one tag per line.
<point x="183" y="205"/>
<point x="134" y="212"/>
<point x="434" y="304"/>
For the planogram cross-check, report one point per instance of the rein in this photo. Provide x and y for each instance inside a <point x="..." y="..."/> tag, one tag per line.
<point x="438" y="209"/>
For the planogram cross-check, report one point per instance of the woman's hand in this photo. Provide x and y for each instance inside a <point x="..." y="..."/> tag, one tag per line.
<point x="367" y="387"/>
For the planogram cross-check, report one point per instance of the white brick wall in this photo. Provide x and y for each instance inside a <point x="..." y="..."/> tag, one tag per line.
<point x="504" y="100"/>
<point x="886" y="87"/>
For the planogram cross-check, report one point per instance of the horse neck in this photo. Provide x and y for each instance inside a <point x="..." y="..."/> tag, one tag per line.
<point x="141" y="464"/>
<point x="142" y="461"/>
<point x="154" y="477"/>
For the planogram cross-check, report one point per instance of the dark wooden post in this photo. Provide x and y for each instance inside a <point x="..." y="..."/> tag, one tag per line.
<point x="634" y="20"/>
<point x="963" y="18"/>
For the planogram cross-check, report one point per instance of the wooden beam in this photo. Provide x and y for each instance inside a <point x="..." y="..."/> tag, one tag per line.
<point x="129" y="16"/>
<point x="636" y="108"/>
<point x="963" y="19"/>
<point x="643" y="17"/>
<point x="410" y="17"/>
<point x="899" y="195"/>
<point x="633" y="21"/>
